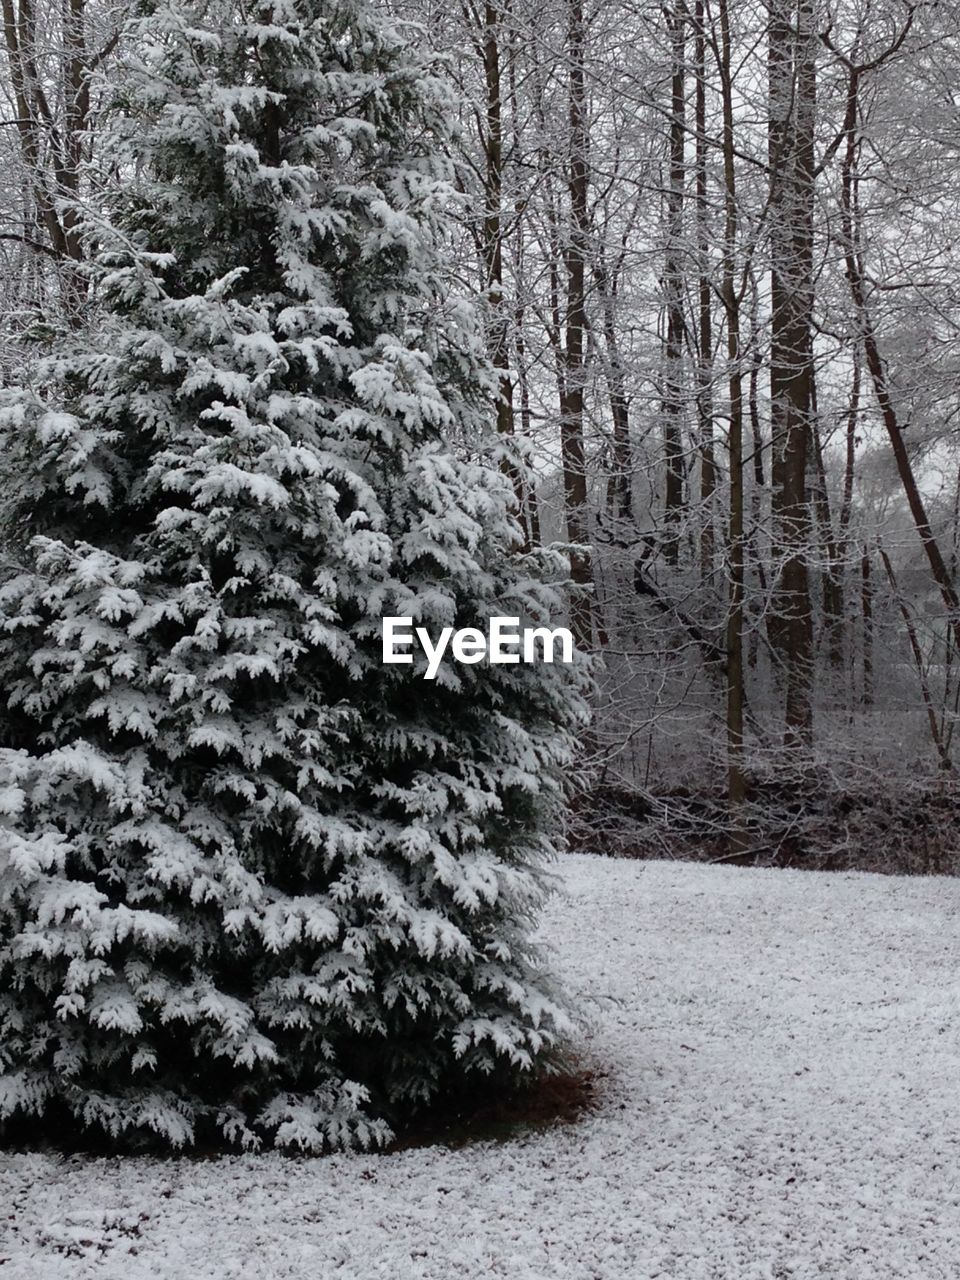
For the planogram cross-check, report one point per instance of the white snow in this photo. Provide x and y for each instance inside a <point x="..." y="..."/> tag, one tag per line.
<point x="782" y="1102"/>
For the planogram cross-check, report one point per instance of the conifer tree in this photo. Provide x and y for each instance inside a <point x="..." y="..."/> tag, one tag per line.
<point x="255" y="886"/>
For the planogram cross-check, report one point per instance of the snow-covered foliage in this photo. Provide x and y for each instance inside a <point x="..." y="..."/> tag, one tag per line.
<point x="253" y="884"/>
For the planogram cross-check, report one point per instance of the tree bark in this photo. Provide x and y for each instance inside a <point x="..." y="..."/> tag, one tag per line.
<point x="673" y="289"/>
<point x="736" y="780"/>
<point x="866" y="606"/>
<point x="575" y="323"/>
<point x="792" y="71"/>
<point x="620" y="485"/>
<point x="708" y="470"/>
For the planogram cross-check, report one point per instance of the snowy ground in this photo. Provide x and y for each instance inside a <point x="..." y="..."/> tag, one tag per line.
<point x="783" y="1101"/>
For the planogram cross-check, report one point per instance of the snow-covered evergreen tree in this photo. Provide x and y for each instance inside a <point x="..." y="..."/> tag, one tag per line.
<point x="253" y="883"/>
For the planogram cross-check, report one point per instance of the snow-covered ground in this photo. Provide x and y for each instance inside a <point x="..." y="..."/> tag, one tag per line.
<point x="783" y="1100"/>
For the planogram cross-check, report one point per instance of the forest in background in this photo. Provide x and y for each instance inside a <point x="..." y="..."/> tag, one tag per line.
<point x="717" y="249"/>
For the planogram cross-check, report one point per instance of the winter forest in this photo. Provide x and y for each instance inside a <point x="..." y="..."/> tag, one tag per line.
<point x="635" y="319"/>
<point x="711" y="246"/>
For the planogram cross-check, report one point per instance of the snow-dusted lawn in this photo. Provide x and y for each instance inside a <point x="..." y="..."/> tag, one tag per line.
<point x="783" y="1100"/>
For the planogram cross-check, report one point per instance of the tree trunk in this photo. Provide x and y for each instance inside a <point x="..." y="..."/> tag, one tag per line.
<point x="50" y="93"/>
<point x="620" y="485"/>
<point x="498" y="339"/>
<point x="708" y="471"/>
<point x="866" y="604"/>
<point x="492" y="217"/>
<point x="792" y="71"/>
<point x="572" y="394"/>
<point x="673" y="289"/>
<point x="736" y="781"/>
